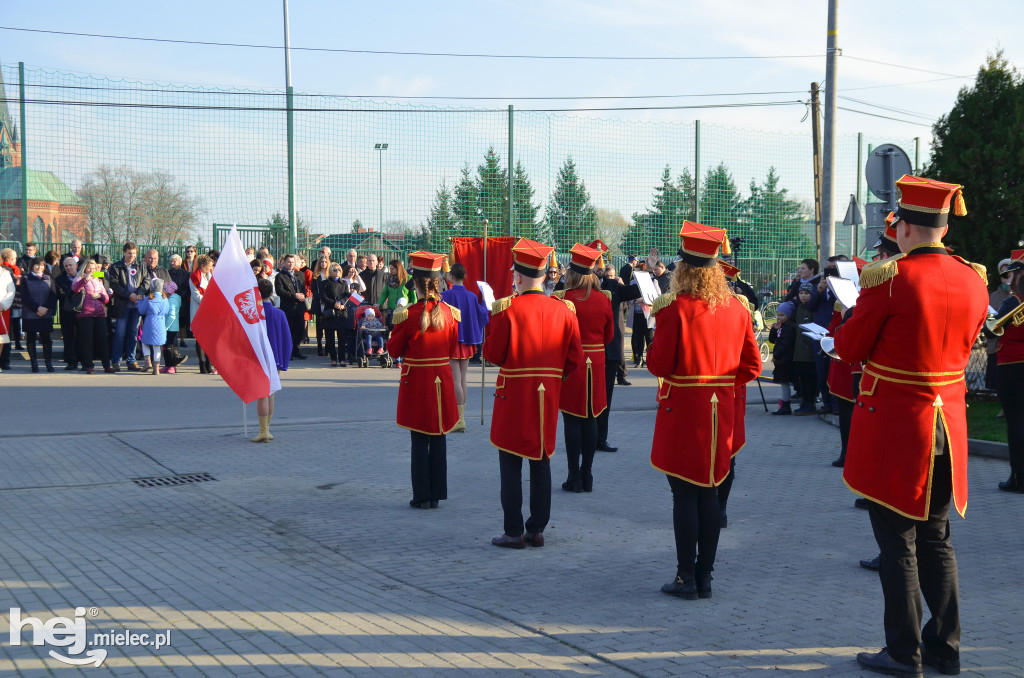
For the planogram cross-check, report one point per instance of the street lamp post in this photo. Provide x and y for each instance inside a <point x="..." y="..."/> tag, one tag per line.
<point x="380" y="148"/>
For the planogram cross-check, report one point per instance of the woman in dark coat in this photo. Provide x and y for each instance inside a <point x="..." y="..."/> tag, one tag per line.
<point x="38" y="301"/>
<point x="334" y="294"/>
<point x="68" y="301"/>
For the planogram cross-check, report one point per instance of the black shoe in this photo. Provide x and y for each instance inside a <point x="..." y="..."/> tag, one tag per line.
<point x="947" y="667"/>
<point x="320" y="352"/>
<point x="1012" y="484"/>
<point x="871" y="564"/>
<point x="299" y="356"/>
<point x="840" y="462"/>
<point x="535" y="539"/>
<point x="70" y="367"/>
<point x="862" y="503"/>
<point x="574" y="483"/>
<point x="881" y="662"/>
<point x="683" y="587"/>
<point x="704" y="585"/>
<point x="587" y="482"/>
<point x="35" y="367"/>
<point x="420" y="504"/>
<point x="621" y="381"/>
<point x="603" y="446"/>
<point x="784" y="408"/>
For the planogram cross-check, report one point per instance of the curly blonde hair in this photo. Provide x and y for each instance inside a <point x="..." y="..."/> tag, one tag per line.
<point x="429" y="290"/>
<point x="703" y="282"/>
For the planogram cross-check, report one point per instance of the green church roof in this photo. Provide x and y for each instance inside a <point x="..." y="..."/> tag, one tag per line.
<point x="43" y="186"/>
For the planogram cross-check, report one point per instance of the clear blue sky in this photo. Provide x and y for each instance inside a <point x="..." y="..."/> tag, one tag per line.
<point x="946" y="37"/>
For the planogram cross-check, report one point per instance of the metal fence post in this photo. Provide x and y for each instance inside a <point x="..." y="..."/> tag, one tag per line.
<point x="293" y="225"/>
<point x="511" y="188"/>
<point x="26" y="232"/>
<point x="696" y="171"/>
<point x="917" y="155"/>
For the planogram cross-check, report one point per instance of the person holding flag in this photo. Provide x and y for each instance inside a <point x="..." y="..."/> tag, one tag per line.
<point x="231" y="325"/>
<point x="426" y="336"/>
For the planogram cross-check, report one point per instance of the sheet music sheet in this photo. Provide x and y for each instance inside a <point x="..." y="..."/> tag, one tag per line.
<point x="848" y="270"/>
<point x="648" y="289"/>
<point x="814" y="330"/>
<point x="846" y="292"/>
<point x="487" y="292"/>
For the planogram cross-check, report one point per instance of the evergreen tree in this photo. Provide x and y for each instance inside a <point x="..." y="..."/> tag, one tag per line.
<point x="980" y="143"/>
<point x="720" y="202"/>
<point x="660" y="225"/>
<point x="524" y="216"/>
<point x="492" y="192"/>
<point x="771" y="223"/>
<point x="441" y="224"/>
<point x="465" y="206"/>
<point x="356" y="226"/>
<point x="569" y="214"/>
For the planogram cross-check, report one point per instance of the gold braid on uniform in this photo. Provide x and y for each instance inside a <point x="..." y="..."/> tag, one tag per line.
<point x="978" y="268"/>
<point x="558" y="294"/>
<point x="662" y="301"/>
<point x="608" y="294"/>
<point x="572" y="306"/>
<point x="400" y="315"/>
<point x="745" y="303"/>
<point x="879" y="272"/>
<point x="456" y="313"/>
<point x="500" y="305"/>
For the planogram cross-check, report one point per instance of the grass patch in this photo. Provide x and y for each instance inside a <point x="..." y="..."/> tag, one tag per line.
<point x="982" y="422"/>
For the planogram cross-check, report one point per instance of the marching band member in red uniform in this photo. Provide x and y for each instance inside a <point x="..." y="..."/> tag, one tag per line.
<point x="916" y="319"/>
<point x="703" y="349"/>
<point x="425" y="336"/>
<point x="584" y="395"/>
<point x="1010" y="366"/>
<point x="535" y="340"/>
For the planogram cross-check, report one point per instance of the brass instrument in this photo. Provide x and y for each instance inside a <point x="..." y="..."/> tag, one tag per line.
<point x="1016" y="317"/>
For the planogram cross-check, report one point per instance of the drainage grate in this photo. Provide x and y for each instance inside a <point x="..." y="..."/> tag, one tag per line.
<point x="179" y="479"/>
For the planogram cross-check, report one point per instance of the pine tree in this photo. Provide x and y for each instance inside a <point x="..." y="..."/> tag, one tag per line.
<point x="720" y="202"/>
<point x="980" y="143"/>
<point x="492" y="192"/>
<point x="660" y="225"/>
<point x="465" y="206"/>
<point x="357" y="226"/>
<point x="771" y="224"/>
<point x="569" y="214"/>
<point x="524" y="216"/>
<point x="441" y="224"/>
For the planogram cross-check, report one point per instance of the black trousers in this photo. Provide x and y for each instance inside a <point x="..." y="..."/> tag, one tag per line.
<point x="821" y="365"/>
<point x="297" y="325"/>
<point x="916" y="557"/>
<point x="697" y="521"/>
<point x="845" y="419"/>
<point x="429" y="467"/>
<point x="69" y="333"/>
<point x="580" y="444"/>
<point x="45" y="339"/>
<point x="725" y="489"/>
<point x="641" y="338"/>
<point x="612" y="368"/>
<point x="335" y="337"/>
<point x="92" y="341"/>
<point x="511" y="466"/>
<point x="807" y="382"/>
<point x="1010" y="387"/>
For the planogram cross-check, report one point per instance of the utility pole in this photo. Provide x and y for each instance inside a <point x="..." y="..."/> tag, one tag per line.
<point x="828" y="221"/>
<point x="293" y="226"/>
<point x="816" y="159"/>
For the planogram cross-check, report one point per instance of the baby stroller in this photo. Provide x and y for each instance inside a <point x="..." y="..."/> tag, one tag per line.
<point x="381" y="333"/>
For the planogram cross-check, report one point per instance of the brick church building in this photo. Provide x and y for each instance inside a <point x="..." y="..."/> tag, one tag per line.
<point x="55" y="213"/>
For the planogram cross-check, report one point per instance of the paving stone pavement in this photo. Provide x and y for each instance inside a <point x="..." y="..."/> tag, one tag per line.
<point x="303" y="557"/>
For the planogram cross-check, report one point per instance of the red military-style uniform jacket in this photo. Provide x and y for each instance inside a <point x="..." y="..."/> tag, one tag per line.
<point x="1011" y="343"/>
<point x="583" y="393"/>
<point x="701" y="356"/>
<point x="916" y="319"/>
<point x="535" y="340"/>
<point x="426" y="392"/>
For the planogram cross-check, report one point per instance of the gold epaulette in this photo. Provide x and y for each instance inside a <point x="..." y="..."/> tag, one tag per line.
<point x="608" y="294"/>
<point x="838" y="308"/>
<point x="978" y="268"/>
<point x="879" y="272"/>
<point x="558" y="294"/>
<point x="400" y="315"/>
<point x="456" y="313"/>
<point x="500" y="305"/>
<point x="662" y="301"/>
<point x="744" y="302"/>
<point x="572" y="306"/>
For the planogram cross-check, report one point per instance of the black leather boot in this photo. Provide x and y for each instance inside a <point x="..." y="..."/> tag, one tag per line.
<point x="704" y="585"/>
<point x="48" y="357"/>
<point x="684" y="587"/>
<point x="1012" y="484"/>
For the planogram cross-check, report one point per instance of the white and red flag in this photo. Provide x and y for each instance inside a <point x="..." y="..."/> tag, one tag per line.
<point x="231" y="328"/>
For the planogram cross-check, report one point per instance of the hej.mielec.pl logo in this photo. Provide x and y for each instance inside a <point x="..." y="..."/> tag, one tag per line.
<point x="71" y="634"/>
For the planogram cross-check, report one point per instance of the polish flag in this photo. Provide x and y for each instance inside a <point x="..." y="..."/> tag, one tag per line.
<point x="231" y="327"/>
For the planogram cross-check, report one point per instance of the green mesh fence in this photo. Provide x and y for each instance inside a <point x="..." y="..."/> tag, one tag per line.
<point x="111" y="160"/>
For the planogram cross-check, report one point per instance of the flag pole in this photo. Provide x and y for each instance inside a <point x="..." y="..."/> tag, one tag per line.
<point x="483" y="363"/>
<point x="245" y="420"/>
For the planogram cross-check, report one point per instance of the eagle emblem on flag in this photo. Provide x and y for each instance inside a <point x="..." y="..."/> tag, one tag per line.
<point x="250" y="305"/>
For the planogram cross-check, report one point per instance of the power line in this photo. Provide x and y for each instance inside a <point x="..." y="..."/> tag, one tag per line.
<point x="878" y="115"/>
<point x="210" y="107"/>
<point x="480" y="55"/>
<point x="891" y="109"/>
<point x="909" y="68"/>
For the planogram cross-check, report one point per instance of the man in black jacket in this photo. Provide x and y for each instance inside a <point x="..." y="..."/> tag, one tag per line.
<point x="129" y="284"/>
<point x="291" y="289"/>
<point x="375" y="278"/>
<point x="621" y="292"/>
<point x="75" y="252"/>
<point x="26" y="259"/>
<point x="153" y="267"/>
